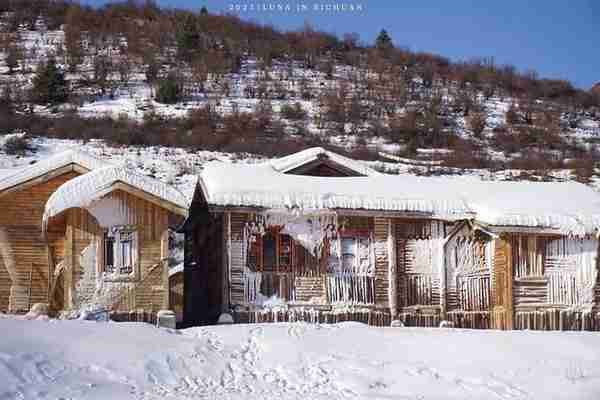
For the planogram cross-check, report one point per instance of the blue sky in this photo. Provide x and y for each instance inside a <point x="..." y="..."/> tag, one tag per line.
<point x="559" y="39"/>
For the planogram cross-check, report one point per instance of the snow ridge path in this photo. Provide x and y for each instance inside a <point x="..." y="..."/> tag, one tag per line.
<point x="81" y="360"/>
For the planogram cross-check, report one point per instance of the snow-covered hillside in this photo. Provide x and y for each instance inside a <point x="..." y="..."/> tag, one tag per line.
<point x="289" y="82"/>
<point x="88" y="360"/>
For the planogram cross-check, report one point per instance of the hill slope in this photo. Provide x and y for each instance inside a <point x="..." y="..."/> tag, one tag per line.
<point x="139" y="75"/>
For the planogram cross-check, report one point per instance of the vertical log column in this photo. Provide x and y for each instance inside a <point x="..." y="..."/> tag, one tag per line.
<point x="225" y="299"/>
<point x="438" y="260"/>
<point x="69" y="259"/>
<point x="392" y="269"/>
<point x="443" y="277"/>
<point x="164" y="259"/>
<point x="510" y="300"/>
<point x="381" y="227"/>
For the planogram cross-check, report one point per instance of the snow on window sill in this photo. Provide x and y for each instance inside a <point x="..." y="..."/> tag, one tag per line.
<point x="118" y="277"/>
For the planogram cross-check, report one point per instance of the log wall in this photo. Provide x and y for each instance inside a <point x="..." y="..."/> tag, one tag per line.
<point x="21" y="244"/>
<point x="443" y="271"/>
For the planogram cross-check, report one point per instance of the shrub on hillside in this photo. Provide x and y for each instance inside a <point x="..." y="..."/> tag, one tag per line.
<point x="293" y="112"/>
<point x="170" y="90"/>
<point x="16" y="145"/>
<point x="476" y="123"/>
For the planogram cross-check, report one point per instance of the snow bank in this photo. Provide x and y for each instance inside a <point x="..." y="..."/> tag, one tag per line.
<point x="50" y="164"/>
<point x="83" y="190"/>
<point x="568" y="207"/>
<point x="86" y="360"/>
<point x="295" y="160"/>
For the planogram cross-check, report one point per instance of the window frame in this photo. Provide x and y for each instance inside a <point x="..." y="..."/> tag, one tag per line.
<point x="256" y="252"/>
<point x="118" y="271"/>
<point x="357" y="235"/>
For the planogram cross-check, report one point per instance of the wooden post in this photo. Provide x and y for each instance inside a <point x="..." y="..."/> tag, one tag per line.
<point x="392" y="269"/>
<point x="225" y="302"/>
<point x="509" y="276"/>
<point x="70" y="261"/>
<point x="164" y="256"/>
<point x="437" y="234"/>
<point x="443" y="281"/>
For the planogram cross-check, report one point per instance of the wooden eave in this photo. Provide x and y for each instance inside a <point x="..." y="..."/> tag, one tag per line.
<point x="172" y="207"/>
<point x="48" y="176"/>
<point x="303" y="169"/>
<point x="341" y="211"/>
<point x="499" y="229"/>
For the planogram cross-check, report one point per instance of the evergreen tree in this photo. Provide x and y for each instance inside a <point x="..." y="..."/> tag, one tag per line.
<point x="169" y="90"/>
<point x="6" y="101"/>
<point x="188" y="39"/>
<point x="203" y="11"/>
<point x="13" y="55"/>
<point x="383" y="41"/>
<point x="49" y="84"/>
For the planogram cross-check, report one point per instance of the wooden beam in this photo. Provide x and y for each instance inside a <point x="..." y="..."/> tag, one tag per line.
<point x="392" y="269"/>
<point x="339" y="211"/>
<point x="226" y="296"/>
<point x="510" y="301"/>
<point x="69" y="259"/>
<point x="525" y="229"/>
<point x="164" y="257"/>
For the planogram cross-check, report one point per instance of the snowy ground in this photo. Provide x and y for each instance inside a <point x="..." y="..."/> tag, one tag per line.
<point x="88" y="360"/>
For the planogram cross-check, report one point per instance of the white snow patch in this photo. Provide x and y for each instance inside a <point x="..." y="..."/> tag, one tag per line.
<point x="86" y="360"/>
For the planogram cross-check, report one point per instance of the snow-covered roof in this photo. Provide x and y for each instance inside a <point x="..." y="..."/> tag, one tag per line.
<point x="50" y="164"/>
<point x="568" y="207"/>
<point x="83" y="190"/>
<point x="261" y="186"/>
<point x="293" y="161"/>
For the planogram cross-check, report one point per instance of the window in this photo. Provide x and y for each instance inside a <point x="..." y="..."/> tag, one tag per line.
<point x="355" y="255"/>
<point x="348" y="252"/>
<point x="120" y="247"/>
<point x="109" y="252"/>
<point x="269" y="252"/>
<point x="285" y="251"/>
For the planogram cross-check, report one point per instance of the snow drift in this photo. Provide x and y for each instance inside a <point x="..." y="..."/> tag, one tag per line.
<point x="87" y="360"/>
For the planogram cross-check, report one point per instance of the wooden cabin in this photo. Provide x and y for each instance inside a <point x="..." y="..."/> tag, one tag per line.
<point x="319" y="237"/>
<point x="79" y="233"/>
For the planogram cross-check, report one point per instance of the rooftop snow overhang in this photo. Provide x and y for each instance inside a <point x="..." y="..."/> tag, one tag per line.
<point x="49" y="168"/>
<point x="259" y="187"/>
<point x="566" y="208"/>
<point x="84" y="190"/>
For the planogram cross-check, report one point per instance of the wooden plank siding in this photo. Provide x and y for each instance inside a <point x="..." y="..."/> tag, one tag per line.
<point x="502" y="286"/>
<point x="21" y="220"/>
<point x="380" y="233"/>
<point x="442" y="270"/>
